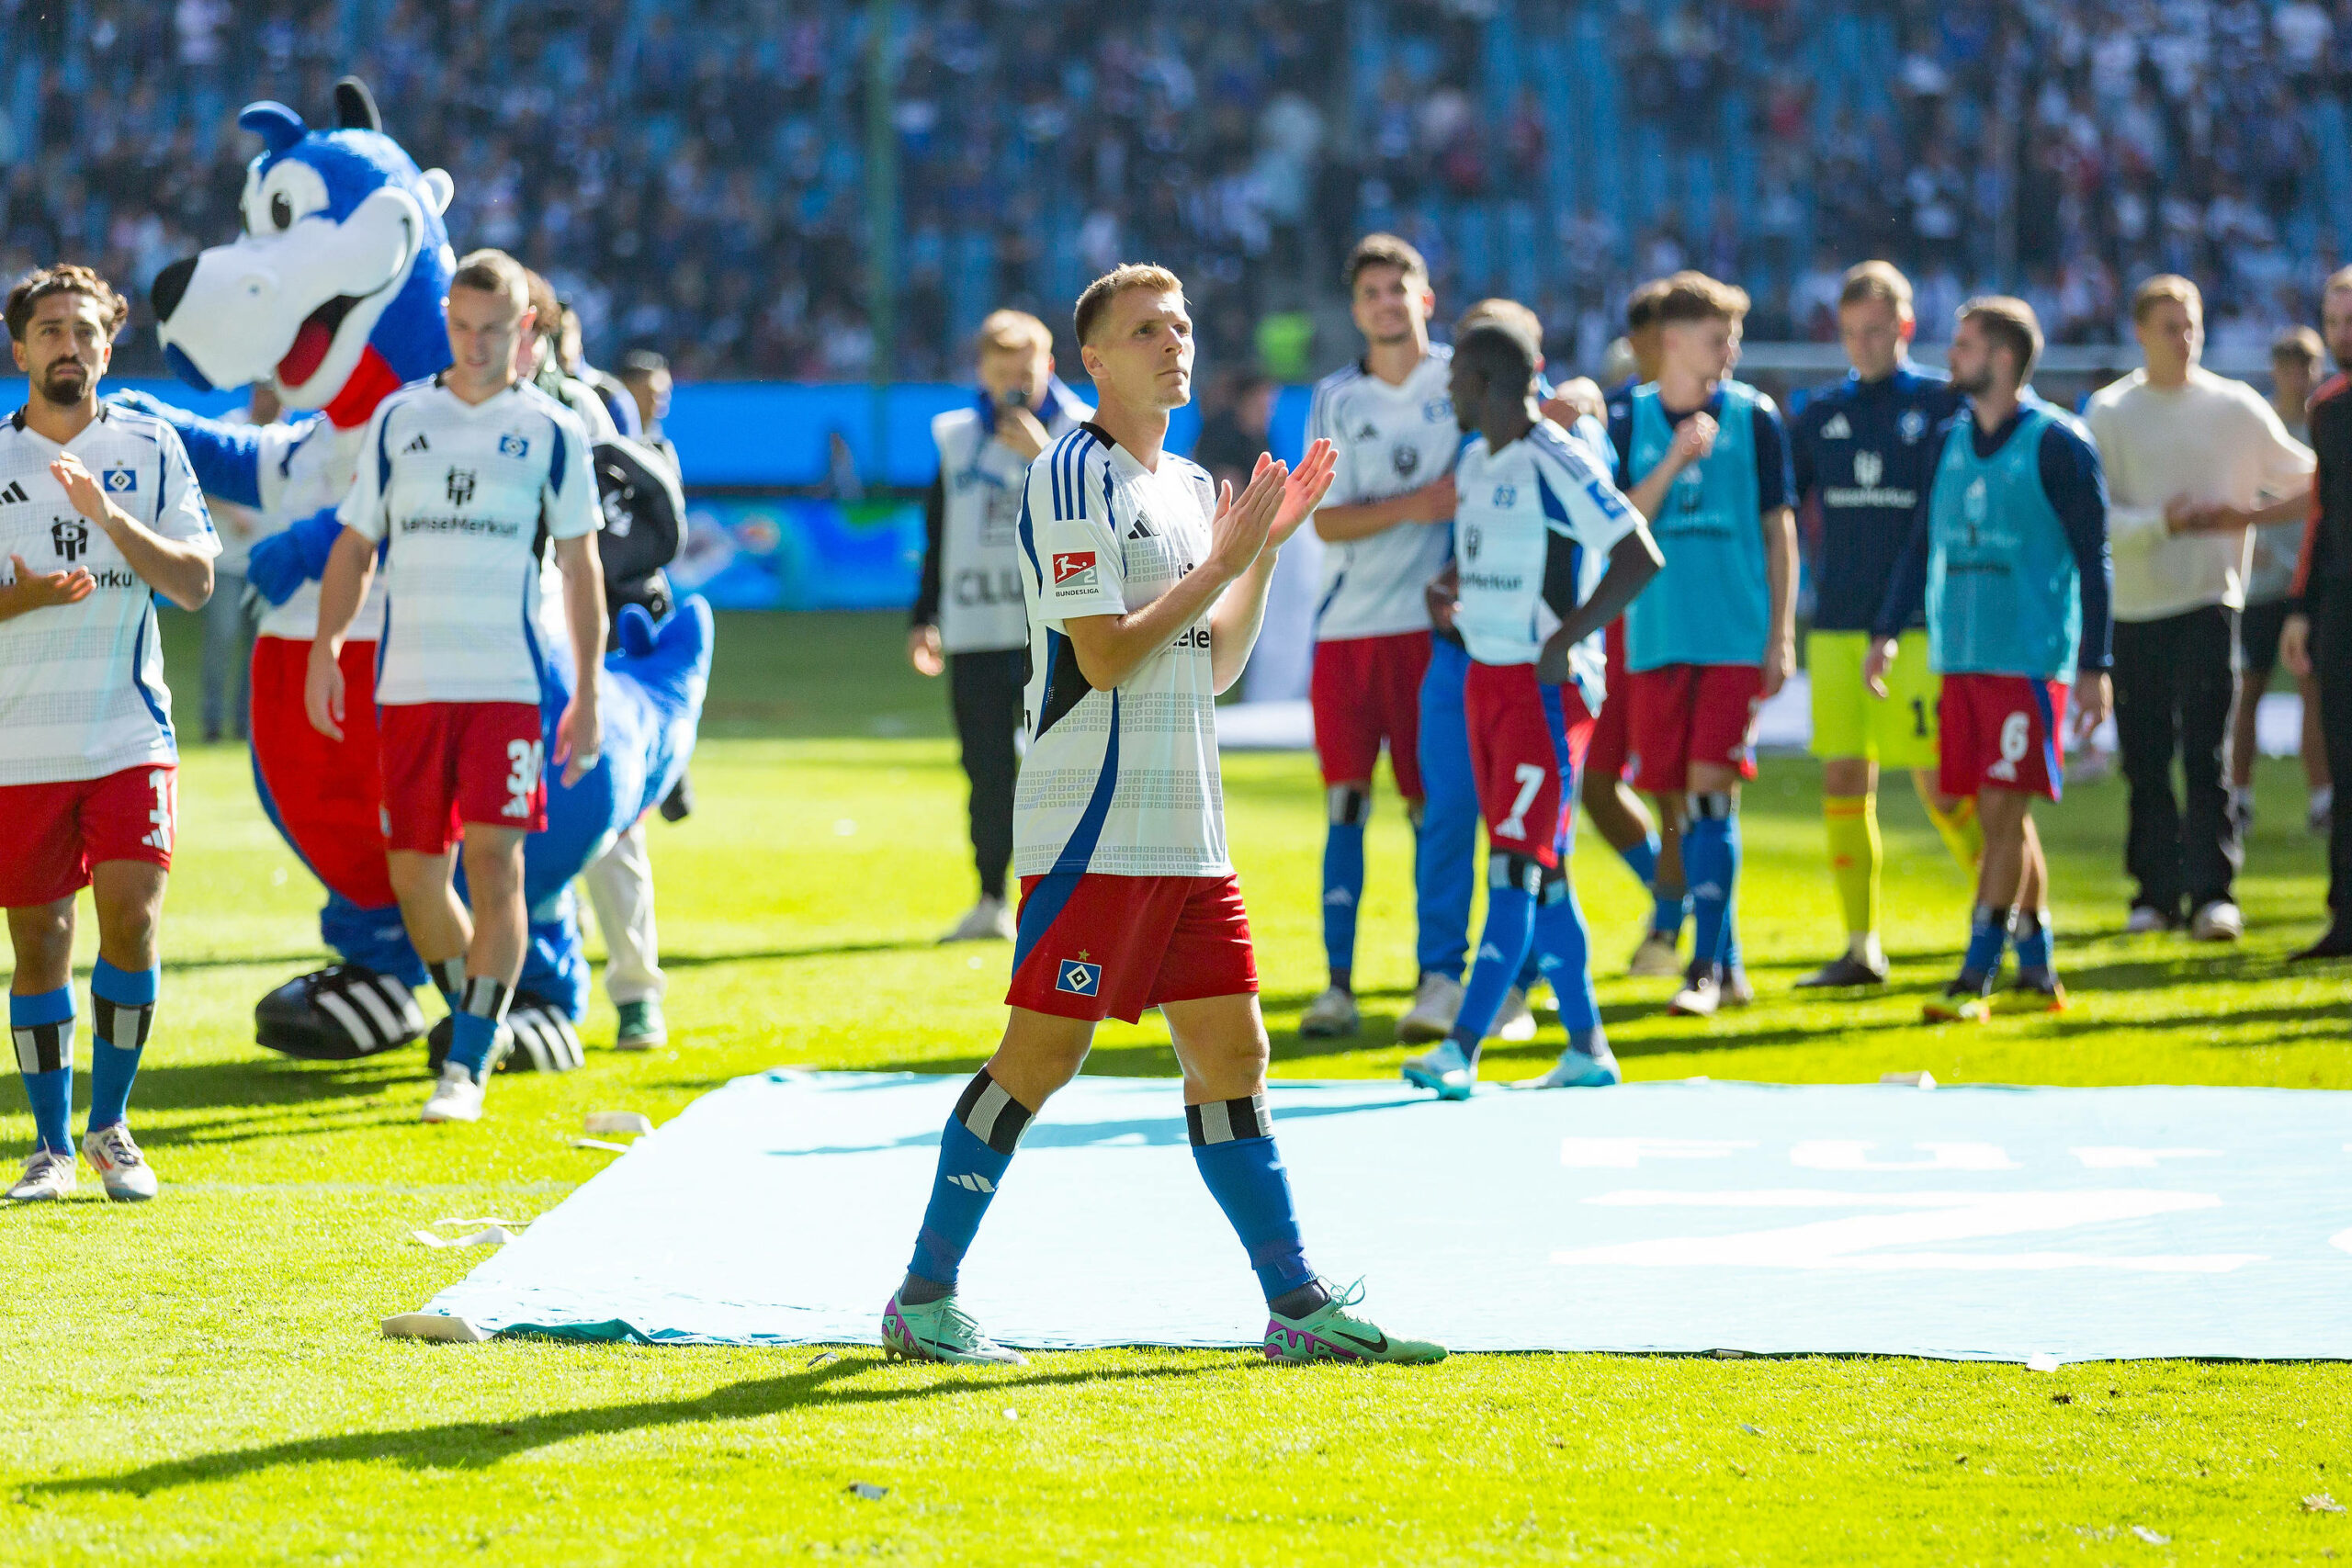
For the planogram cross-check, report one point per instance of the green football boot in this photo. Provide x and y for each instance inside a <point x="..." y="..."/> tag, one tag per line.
<point x="1331" y="1333"/>
<point x="941" y="1331"/>
<point x="641" y="1025"/>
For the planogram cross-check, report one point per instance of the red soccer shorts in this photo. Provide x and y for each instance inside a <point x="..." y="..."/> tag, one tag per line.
<point x="1366" y="690"/>
<point x="1610" y="727"/>
<point x="449" y="763"/>
<point x="1691" y="713"/>
<point x="2003" y="732"/>
<point x="52" y="834"/>
<point x="1526" y="741"/>
<point x="1093" y="946"/>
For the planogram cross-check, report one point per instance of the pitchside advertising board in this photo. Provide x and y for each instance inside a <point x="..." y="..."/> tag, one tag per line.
<point x="752" y="452"/>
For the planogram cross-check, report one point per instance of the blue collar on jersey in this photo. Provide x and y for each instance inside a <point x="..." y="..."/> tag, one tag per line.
<point x="1060" y="403"/>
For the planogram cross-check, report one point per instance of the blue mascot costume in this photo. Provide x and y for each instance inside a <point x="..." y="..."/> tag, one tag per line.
<point x="334" y="294"/>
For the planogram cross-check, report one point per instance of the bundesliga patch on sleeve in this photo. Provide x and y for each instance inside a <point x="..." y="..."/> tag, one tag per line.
<point x="1075" y="572"/>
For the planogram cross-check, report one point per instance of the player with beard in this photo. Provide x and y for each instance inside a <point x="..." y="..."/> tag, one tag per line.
<point x="99" y="515"/>
<point x="2009" y="556"/>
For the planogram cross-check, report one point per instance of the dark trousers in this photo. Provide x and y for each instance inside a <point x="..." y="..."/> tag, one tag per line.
<point x="2331" y="613"/>
<point x="2175" y="680"/>
<point x="984" y="689"/>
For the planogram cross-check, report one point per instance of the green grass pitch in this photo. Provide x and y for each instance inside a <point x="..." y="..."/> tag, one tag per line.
<point x="201" y="1379"/>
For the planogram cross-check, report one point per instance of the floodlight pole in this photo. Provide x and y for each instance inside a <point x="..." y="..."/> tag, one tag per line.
<point x="881" y="226"/>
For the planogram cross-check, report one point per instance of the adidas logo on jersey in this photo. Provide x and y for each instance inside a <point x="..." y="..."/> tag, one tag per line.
<point x="416" y="444"/>
<point x="1836" y="428"/>
<point x="1141" y="530"/>
<point x="14" y="493"/>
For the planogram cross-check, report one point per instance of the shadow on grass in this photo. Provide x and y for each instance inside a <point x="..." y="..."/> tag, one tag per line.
<point x="476" y="1445"/>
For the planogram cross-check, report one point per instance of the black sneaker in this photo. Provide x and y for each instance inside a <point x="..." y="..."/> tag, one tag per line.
<point x="1843" y="972"/>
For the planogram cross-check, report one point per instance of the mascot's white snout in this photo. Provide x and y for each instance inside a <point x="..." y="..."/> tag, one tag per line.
<point x="296" y="307"/>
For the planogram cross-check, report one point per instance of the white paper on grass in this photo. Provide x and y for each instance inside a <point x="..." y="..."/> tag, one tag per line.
<point x="623" y="1124"/>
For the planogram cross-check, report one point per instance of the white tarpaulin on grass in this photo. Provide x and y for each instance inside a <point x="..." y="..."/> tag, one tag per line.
<point x="1979" y="1222"/>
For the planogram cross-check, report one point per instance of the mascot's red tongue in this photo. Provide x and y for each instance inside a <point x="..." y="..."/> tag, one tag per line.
<point x="311" y="345"/>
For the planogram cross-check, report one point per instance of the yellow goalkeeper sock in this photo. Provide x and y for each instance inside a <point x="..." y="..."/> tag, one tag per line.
<point x="1961" y="834"/>
<point x="1852" y="820"/>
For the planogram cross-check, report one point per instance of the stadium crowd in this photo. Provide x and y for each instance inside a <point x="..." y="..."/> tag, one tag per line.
<point x="692" y="175"/>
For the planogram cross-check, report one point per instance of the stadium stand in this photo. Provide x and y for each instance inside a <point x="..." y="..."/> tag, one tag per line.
<point x="705" y="190"/>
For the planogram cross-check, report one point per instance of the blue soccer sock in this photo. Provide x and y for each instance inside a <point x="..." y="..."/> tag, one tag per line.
<point x="974" y="1151"/>
<point x="1711" y="860"/>
<point x="473" y="1028"/>
<point x="122" y="1013"/>
<point x="1989" y="932"/>
<point x="1564" y="947"/>
<point x="42" y="1027"/>
<point x="2030" y="930"/>
<point x="1233" y="1145"/>
<point x="1511" y="885"/>
<point x="1641" y="859"/>
<point x="1342" y="880"/>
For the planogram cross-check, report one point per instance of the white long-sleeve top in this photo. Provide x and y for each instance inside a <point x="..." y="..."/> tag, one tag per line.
<point x="2212" y="440"/>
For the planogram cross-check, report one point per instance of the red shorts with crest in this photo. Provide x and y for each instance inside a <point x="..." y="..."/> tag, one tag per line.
<point x="52" y="834"/>
<point x="1094" y="946"/>
<point x="2002" y="732"/>
<point x="449" y="763"/>
<point x="1527" y="741"/>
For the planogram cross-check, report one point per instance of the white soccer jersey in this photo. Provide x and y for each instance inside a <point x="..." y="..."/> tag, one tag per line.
<point x="1532" y="536"/>
<point x="1123" y="781"/>
<point x="465" y="492"/>
<point x="306" y="467"/>
<point x="82" y="690"/>
<point x="1391" y="440"/>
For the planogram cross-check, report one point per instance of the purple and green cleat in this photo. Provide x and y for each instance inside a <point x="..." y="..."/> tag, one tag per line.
<point x="1331" y="1333"/>
<point x="941" y="1331"/>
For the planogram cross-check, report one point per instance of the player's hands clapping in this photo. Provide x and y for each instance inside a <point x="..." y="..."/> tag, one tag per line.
<point x="1306" y="486"/>
<point x="38" y="590"/>
<point x="1237" y="533"/>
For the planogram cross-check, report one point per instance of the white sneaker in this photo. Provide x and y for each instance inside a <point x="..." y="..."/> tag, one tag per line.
<point x="128" y="1178"/>
<point x="2145" y="920"/>
<point x="1329" y="1016"/>
<point x="1656" y="958"/>
<point x="1436" y="1001"/>
<point x="2219" y="920"/>
<point x="1516" y="1021"/>
<point x="1699" y="998"/>
<point x="49" y="1175"/>
<point x="990" y="919"/>
<point x="457" y="1098"/>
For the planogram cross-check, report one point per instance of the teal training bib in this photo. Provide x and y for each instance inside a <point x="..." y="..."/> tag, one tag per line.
<point x="2003" y="594"/>
<point x="1711" y="603"/>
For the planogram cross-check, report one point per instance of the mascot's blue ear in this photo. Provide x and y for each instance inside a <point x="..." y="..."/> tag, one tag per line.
<point x="277" y="126"/>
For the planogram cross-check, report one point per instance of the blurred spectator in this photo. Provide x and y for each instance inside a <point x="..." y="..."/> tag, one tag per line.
<point x="692" y="173"/>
